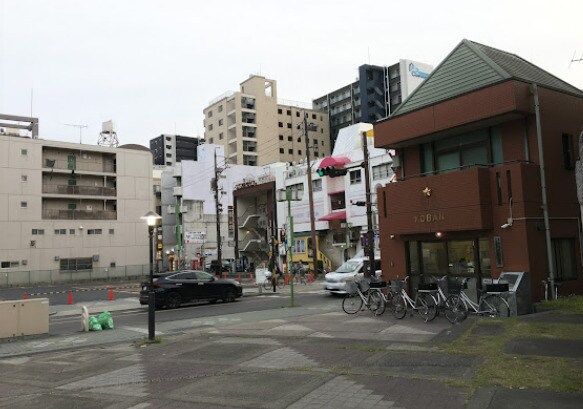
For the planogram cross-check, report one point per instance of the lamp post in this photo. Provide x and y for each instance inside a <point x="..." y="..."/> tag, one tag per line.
<point x="288" y="195"/>
<point x="151" y="219"/>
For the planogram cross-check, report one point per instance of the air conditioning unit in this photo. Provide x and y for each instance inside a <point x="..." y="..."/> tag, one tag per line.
<point x="89" y="208"/>
<point x="57" y="258"/>
<point x="96" y="257"/>
<point x="32" y="243"/>
<point x="396" y="162"/>
<point x="291" y="173"/>
<point x="24" y="262"/>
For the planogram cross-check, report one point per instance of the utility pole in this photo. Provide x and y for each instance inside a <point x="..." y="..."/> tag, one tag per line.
<point x="311" y="197"/>
<point x="218" y="209"/>
<point x="370" y="233"/>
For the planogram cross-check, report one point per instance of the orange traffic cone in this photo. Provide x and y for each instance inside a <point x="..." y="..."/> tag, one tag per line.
<point x="70" y="299"/>
<point x="110" y="296"/>
<point x="24" y="296"/>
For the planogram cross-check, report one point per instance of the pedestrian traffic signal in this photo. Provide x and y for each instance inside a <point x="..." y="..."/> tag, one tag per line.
<point x="332" y="171"/>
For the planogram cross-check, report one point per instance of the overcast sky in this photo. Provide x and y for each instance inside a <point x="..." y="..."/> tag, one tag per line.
<point x="152" y="66"/>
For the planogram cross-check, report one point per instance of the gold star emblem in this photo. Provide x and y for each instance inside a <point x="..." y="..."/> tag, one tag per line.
<point x="426" y="192"/>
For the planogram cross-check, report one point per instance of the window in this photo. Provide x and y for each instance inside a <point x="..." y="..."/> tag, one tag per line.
<point x="288" y="126"/>
<point x="564" y="259"/>
<point x="279" y="111"/>
<point x="289" y="138"/>
<point x="280" y="124"/>
<point x="168" y="138"/>
<point x="338" y="201"/>
<point x="111" y="231"/>
<point x="380" y="171"/>
<point x="24" y="152"/>
<point x="297" y="186"/>
<point x="355" y="177"/>
<point x="298" y="114"/>
<point x="211" y="140"/>
<point x="23" y="178"/>
<point x="76" y="264"/>
<point x="481" y="147"/>
<point x="281" y="137"/>
<point x="23" y="205"/>
<point x="220" y="122"/>
<point x="72" y="182"/>
<point x="317" y="185"/>
<point x="210" y="127"/>
<point x="168" y="146"/>
<point x="72" y="231"/>
<point x="313" y="116"/>
<point x="210" y="114"/>
<point x="290" y="151"/>
<point x="281" y="150"/>
<point x="94" y="231"/>
<point x="299" y="246"/>
<point x="568" y="153"/>
<point x="72" y="206"/>
<point x="299" y="152"/>
<point x="9" y="264"/>
<point x="168" y="155"/>
<point x="220" y="108"/>
<point x="221" y="136"/>
<point x="60" y="231"/>
<point x="288" y="112"/>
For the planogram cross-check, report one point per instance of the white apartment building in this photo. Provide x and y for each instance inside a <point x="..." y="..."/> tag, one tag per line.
<point x="256" y="129"/>
<point x="339" y="223"/>
<point x="72" y="211"/>
<point x="189" y="218"/>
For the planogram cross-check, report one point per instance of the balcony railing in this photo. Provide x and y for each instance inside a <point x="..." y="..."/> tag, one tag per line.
<point x="107" y="167"/>
<point x="79" y="190"/>
<point x="65" y="214"/>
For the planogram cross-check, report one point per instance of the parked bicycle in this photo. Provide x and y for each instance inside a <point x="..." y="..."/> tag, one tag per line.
<point x="444" y="301"/>
<point x="491" y="303"/>
<point x="299" y="272"/>
<point x="424" y="304"/>
<point x="363" y="293"/>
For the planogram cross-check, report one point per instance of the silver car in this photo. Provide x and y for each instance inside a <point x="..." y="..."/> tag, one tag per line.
<point x="335" y="282"/>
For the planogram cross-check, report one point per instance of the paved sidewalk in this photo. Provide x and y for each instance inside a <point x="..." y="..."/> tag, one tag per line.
<point x="304" y="357"/>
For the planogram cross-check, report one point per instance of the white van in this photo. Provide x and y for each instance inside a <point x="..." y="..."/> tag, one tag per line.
<point x="335" y="282"/>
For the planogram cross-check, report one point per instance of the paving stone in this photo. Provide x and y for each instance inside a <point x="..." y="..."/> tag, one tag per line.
<point x="281" y="358"/>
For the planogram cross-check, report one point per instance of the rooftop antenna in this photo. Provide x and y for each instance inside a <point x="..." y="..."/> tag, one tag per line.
<point x="108" y="136"/>
<point x="80" y="130"/>
<point x="573" y="59"/>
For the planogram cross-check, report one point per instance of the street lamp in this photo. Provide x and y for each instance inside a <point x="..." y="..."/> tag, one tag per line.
<point x="288" y="195"/>
<point x="151" y="219"/>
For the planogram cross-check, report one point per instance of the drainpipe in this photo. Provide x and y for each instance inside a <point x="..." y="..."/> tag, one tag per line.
<point x="543" y="182"/>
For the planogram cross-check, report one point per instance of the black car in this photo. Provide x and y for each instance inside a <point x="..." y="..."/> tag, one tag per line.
<point x="179" y="287"/>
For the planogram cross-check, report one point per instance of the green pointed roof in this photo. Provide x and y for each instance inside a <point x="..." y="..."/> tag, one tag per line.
<point x="471" y="66"/>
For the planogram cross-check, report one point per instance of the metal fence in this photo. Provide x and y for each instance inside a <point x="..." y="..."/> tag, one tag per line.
<point x="39" y="277"/>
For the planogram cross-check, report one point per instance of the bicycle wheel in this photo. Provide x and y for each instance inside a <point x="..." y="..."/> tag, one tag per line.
<point x="456" y="309"/>
<point x="351" y="303"/>
<point x="267" y="284"/>
<point x="398" y="306"/>
<point x="495" y="306"/>
<point x="376" y="302"/>
<point x="425" y="306"/>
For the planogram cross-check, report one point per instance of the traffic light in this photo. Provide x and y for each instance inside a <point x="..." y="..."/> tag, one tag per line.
<point x="332" y="171"/>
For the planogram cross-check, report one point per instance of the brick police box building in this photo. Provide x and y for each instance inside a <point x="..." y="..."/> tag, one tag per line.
<point x="468" y="201"/>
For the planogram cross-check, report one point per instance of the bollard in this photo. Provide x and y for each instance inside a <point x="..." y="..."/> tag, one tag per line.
<point x="110" y="296"/>
<point x="70" y="298"/>
<point x="25" y="296"/>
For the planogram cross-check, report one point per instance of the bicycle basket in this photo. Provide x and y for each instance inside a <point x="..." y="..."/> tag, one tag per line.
<point x="268" y="274"/>
<point x="397" y="285"/>
<point x="427" y="287"/>
<point x="496" y="288"/>
<point x="351" y="287"/>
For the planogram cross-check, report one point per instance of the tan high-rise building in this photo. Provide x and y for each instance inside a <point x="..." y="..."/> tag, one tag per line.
<point x="256" y="129"/>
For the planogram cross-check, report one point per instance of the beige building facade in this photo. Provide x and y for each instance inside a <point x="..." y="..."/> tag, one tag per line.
<point x="257" y="129"/>
<point x="72" y="211"/>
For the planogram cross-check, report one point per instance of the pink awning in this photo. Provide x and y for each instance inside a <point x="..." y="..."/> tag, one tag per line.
<point x="333" y="161"/>
<point x="334" y="216"/>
